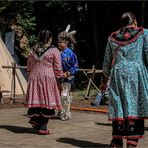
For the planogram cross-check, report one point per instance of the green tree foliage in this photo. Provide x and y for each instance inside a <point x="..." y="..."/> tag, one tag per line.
<point x="93" y="21"/>
<point x="20" y="12"/>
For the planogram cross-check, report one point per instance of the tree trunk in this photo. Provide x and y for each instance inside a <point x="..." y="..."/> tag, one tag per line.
<point x="143" y="13"/>
<point x="94" y="31"/>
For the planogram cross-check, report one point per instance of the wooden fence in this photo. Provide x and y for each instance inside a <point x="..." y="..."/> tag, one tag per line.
<point x="89" y="73"/>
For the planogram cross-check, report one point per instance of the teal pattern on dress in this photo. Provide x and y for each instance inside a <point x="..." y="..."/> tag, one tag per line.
<point x="128" y="89"/>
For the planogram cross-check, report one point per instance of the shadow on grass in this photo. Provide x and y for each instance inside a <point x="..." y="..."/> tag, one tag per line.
<point x="18" y="129"/>
<point x="81" y="143"/>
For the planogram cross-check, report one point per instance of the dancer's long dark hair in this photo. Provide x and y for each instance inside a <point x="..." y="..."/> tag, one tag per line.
<point x="127" y="18"/>
<point x="44" y="36"/>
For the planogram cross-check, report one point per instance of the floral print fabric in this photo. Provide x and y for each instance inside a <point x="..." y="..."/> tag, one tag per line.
<point x="128" y="88"/>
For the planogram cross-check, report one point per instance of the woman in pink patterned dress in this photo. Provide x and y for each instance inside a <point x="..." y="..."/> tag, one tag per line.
<point x="45" y="69"/>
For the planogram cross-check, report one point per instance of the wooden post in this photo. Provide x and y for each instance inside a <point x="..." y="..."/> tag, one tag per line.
<point x="13" y="84"/>
<point x="91" y="71"/>
<point x="92" y="82"/>
<point x="89" y="83"/>
<point x="1" y="96"/>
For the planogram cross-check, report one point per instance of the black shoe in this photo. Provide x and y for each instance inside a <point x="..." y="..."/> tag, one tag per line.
<point x="116" y="143"/>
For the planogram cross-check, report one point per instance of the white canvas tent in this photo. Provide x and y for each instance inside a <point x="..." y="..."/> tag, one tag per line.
<point x="6" y="73"/>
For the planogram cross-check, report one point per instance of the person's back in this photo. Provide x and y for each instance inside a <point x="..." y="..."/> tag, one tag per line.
<point x="129" y="50"/>
<point x="44" y="68"/>
<point x="126" y="63"/>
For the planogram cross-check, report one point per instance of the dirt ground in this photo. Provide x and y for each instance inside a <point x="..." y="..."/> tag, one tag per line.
<point x="19" y="103"/>
<point x="86" y="103"/>
<point x="78" y="101"/>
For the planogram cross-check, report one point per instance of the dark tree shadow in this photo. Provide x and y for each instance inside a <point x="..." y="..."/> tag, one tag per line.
<point x="18" y="129"/>
<point x="106" y="124"/>
<point x="81" y="143"/>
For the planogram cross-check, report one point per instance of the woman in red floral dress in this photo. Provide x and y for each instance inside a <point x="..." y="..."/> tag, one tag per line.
<point x="45" y="69"/>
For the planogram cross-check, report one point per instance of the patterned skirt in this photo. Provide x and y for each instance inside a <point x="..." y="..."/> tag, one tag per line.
<point x="40" y="112"/>
<point x="128" y="129"/>
<point x="39" y="117"/>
